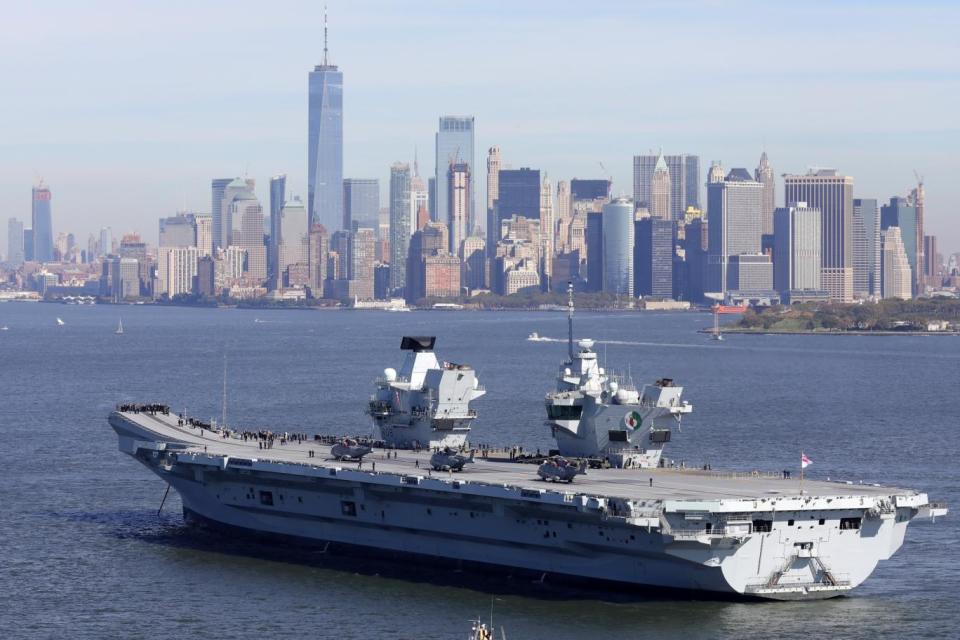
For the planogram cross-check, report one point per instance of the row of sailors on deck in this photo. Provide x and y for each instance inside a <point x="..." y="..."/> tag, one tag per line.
<point x="191" y="422"/>
<point x="144" y="408"/>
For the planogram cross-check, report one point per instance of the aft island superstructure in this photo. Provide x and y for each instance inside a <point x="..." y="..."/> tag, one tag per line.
<point x="595" y="414"/>
<point x="620" y="528"/>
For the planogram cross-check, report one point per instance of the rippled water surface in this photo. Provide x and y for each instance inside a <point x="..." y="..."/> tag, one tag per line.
<point x="85" y="554"/>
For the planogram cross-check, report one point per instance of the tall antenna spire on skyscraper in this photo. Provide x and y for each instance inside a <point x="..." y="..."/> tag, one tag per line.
<point x="324" y="35"/>
<point x="416" y="165"/>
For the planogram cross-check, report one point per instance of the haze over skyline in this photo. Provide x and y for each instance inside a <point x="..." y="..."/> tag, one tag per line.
<point x="128" y="114"/>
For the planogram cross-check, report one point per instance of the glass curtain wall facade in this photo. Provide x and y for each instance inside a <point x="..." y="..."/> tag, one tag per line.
<point x="361" y="203"/>
<point x="618" y="247"/>
<point x="454" y="145"/>
<point x="325" y="147"/>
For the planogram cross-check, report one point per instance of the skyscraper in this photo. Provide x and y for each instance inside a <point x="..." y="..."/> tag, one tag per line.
<point x="325" y="143"/>
<point x="419" y="198"/>
<point x="917" y="198"/>
<point x="236" y="189"/>
<point x="931" y="263"/>
<point x="832" y="193"/>
<point x="796" y="253"/>
<point x="106" y="241"/>
<point x="901" y="212"/>
<point x="218" y="187"/>
<point x="582" y="190"/>
<point x="278" y="196"/>
<point x="519" y="195"/>
<point x="362" y="246"/>
<point x="246" y="215"/>
<point x="177" y="231"/>
<point x="547" y="230"/>
<point x="399" y="224"/>
<point x="176" y="270"/>
<point x="659" y="203"/>
<point x="458" y="208"/>
<point x="204" y="225"/>
<point x="716" y="173"/>
<point x="293" y="238"/>
<point x="866" y="248"/>
<point x="653" y="257"/>
<point x="618" y="230"/>
<point x="361" y="203"/>
<point x="593" y="244"/>
<point x="319" y="249"/>
<point x="564" y="216"/>
<point x="695" y="243"/>
<point x="764" y="175"/>
<point x="494" y="164"/>
<point x="432" y="196"/>
<point x="14" y="242"/>
<point x="431" y="240"/>
<point x="733" y="213"/>
<point x="684" y="181"/>
<point x="42" y="224"/>
<point x="454" y="144"/>
<point x="895" y="268"/>
<point x="474" y="274"/>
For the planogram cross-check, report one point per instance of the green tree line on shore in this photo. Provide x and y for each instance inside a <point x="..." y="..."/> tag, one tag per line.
<point x="885" y="315"/>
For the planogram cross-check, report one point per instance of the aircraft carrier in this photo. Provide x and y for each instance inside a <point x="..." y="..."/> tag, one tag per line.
<point x="633" y="524"/>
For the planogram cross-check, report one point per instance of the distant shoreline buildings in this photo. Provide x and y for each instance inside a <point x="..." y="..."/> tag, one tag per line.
<point x="432" y="242"/>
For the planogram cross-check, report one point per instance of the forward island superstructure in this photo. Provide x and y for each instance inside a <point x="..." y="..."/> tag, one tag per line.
<point x="427" y="403"/>
<point x="745" y="535"/>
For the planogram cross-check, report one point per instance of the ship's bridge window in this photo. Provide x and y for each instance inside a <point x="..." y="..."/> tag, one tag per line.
<point x="348" y="508"/>
<point x="850" y="523"/>
<point x="564" y="412"/>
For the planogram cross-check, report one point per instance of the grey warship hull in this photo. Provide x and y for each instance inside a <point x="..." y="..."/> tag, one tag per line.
<point x="726" y="535"/>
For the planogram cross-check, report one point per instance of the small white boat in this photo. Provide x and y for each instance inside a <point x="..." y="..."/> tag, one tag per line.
<point x="119" y="330"/>
<point x="4" y="328"/>
<point x="535" y="337"/>
<point x="60" y="322"/>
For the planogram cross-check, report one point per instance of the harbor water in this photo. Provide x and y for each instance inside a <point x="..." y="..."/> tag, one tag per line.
<point x="86" y="554"/>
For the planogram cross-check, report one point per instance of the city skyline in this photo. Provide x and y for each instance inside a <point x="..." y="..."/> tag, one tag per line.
<point x="131" y="136"/>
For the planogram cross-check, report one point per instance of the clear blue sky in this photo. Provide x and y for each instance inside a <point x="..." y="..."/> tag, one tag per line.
<point x="128" y="109"/>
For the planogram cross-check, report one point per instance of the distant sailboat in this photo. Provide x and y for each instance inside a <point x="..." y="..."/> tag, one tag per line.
<point x="119" y="330"/>
<point x="716" y="326"/>
<point x="60" y="322"/>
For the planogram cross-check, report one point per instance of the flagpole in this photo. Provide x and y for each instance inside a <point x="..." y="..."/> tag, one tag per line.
<point x="801" y="473"/>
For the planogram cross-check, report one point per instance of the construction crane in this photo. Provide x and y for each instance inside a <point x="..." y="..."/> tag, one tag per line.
<point x="604" y="169"/>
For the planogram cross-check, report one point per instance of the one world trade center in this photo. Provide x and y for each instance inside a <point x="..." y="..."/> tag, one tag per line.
<point x="325" y="144"/>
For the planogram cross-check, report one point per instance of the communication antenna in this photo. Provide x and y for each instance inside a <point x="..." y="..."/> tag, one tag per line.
<point x="223" y="415"/>
<point x="324" y="35"/>
<point x="570" y="319"/>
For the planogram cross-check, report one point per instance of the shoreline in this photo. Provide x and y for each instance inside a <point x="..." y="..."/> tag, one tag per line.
<point x="806" y="332"/>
